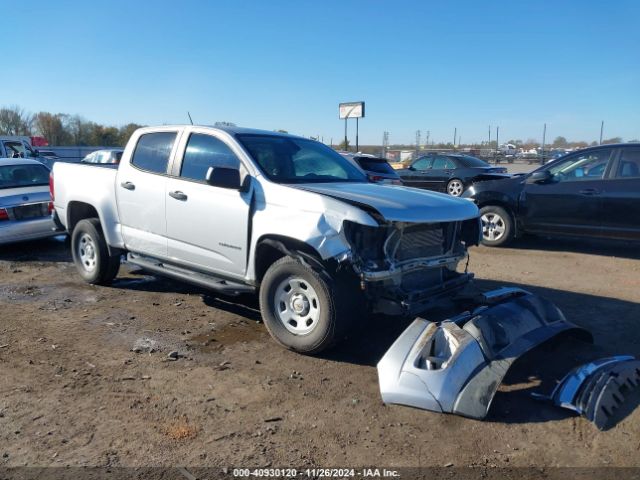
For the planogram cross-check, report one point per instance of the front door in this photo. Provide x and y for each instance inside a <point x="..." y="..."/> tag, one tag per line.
<point x="207" y="226"/>
<point x="621" y="197"/>
<point x="570" y="202"/>
<point x="140" y="193"/>
<point x="417" y="174"/>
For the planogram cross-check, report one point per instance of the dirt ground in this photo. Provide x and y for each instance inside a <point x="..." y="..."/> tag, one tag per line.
<point x="72" y="391"/>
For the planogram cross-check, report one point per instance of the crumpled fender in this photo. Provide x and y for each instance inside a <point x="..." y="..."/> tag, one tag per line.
<point x="457" y="365"/>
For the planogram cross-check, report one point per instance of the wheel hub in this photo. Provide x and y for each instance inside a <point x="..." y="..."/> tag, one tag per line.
<point x="300" y="304"/>
<point x="297" y="306"/>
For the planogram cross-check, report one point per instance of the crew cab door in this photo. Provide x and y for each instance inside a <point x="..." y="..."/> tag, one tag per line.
<point x="621" y="196"/>
<point x="140" y="193"/>
<point x="207" y="226"/>
<point x="570" y="202"/>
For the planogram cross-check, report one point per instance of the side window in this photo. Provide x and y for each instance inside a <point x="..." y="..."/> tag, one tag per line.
<point x="153" y="150"/>
<point x="440" y="163"/>
<point x="629" y="164"/>
<point x="450" y="164"/>
<point x="582" y="166"/>
<point x="423" y="163"/>
<point x="204" y="151"/>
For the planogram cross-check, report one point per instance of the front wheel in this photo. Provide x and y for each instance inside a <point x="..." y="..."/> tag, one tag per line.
<point x="455" y="187"/>
<point x="301" y="307"/>
<point x="497" y="226"/>
<point x="91" y="254"/>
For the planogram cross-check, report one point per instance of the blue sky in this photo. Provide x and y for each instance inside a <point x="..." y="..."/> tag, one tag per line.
<point x="428" y="65"/>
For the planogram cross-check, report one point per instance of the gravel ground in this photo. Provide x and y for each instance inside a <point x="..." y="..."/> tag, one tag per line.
<point x="74" y="393"/>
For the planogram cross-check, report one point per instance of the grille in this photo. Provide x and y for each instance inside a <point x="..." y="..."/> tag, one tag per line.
<point x="421" y="279"/>
<point x="420" y="241"/>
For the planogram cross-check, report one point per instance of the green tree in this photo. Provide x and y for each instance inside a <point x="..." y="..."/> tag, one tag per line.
<point x="14" y="121"/>
<point x="126" y="131"/>
<point x="560" y="142"/>
<point x="51" y="127"/>
<point x="612" y="140"/>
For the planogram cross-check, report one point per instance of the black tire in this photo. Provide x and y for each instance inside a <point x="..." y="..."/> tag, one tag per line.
<point x="332" y="319"/>
<point x="497" y="226"/>
<point x="455" y="187"/>
<point x="91" y="254"/>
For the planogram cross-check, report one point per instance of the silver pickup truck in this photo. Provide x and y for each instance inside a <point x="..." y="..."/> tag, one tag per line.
<point x="239" y="210"/>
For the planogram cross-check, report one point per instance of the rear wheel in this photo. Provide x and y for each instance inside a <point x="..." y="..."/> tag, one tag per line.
<point x="91" y="254"/>
<point x="301" y="307"/>
<point x="455" y="187"/>
<point x="497" y="226"/>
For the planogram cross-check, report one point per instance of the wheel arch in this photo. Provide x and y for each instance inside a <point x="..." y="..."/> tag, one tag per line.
<point x="77" y="211"/>
<point x="271" y="248"/>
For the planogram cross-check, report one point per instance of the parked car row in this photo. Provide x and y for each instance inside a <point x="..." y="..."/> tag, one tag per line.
<point x="590" y="192"/>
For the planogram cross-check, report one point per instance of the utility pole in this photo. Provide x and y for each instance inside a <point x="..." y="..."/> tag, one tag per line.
<point x="489" y="137"/>
<point x="428" y="134"/>
<point x="418" y="134"/>
<point x="385" y="144"/>
<point x="346" y="147"/>
<point x="455" y="133"/>
<point x="497" y="139"/>
<point x="357" y="148"/>
<point x="601" y="129"/>
<point x="544" y="137"/>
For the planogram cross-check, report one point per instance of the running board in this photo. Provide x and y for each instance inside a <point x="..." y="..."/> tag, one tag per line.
<point x="201" y="279"/>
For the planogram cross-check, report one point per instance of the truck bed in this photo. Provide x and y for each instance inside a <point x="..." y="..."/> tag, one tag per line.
<point x="92" y="184"/>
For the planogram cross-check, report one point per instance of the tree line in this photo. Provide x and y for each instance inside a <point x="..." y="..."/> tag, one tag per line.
<point x="62" y="129"/>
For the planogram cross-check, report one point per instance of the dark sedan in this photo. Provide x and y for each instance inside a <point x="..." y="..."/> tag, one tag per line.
<point x="593" y="192"/>
<point x="449" y="173"/>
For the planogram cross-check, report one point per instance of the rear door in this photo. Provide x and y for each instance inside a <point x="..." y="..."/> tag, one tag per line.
<point x="621" y="197"/>
<point x="571" y="202"/>
<point x="440" y="172"/>
<point x="140" y="193"/>
<point x="207" y="226"/>
<point x="416" y="175"/>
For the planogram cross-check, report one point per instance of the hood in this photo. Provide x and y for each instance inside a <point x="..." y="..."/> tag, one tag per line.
<point x="398" y="204"/>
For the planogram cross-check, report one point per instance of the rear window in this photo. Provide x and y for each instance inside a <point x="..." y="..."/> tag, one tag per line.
<point x="469" y="161"/>
<point x="377" y="165"/>
<point x="14" y="176"/>
<point x="153" y="150"/>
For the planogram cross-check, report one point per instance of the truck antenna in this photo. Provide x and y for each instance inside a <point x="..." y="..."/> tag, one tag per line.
<point x="190" y="117"/>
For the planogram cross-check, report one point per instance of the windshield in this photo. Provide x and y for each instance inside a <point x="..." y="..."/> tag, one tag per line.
<point x="297" y="160"/>
<point x="377" y="165"/>
<point x="14" y="176"/>
<point x="469" y="161"/>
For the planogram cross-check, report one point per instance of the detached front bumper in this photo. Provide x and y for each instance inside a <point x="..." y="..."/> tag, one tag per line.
<point x="456" y="366"/>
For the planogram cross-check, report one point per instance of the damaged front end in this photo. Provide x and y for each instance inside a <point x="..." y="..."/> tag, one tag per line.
<point x="405" y="267"/>
<point x="456" y="366"/>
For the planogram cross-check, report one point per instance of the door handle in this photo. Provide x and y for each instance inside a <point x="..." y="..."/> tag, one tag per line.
<point x="128" y="185"/>
<point x="589" y="191"/>
<point x="178" y="195"/>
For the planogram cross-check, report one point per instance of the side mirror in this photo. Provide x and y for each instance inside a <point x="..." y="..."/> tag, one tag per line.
<point x="411" y="167"/>
<point x="542" y="176"/>
<point x="224" y="178"/>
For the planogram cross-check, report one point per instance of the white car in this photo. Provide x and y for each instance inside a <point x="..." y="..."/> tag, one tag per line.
<point x="25" y="201"/>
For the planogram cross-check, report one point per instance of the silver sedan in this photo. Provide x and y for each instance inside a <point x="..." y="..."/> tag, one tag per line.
<point x="25" y="201"/>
